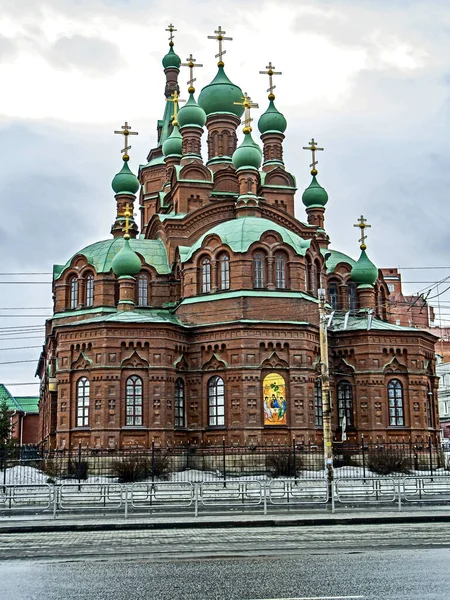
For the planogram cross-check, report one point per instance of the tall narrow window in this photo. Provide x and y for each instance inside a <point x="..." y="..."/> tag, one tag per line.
<point x="224" y="272"/>
<point x="280" y="271"/>
<point x="83" y="402"/>
<point x="134" y="401"/>
<point x="395" y="394"/>
<point x="345" y="403"/>
<point x="351" y="296"/>
<point x="258" y="270"/>
<point x="73" y="292"/>
<point x="318" y="273"/>
<point x="179" y="403"/>
<point x="142" y="290"/>
<point x="429" y="406"/>
<point x="90" y="290"/>
<point x="333" y="295"/>
<point x="313" y="279"/>
<point x="216" y="401"/>
<point x="318" y="408"/>
<point x="206" y="275"/>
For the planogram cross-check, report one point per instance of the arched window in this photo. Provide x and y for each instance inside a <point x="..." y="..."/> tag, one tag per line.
<point x="318" y="407"/>
<point x="318" y="275"/>
<point x="73" y="292"/>
<point x="133" y="401"/>
<point x="345" y="403"/>
<point x="206" y="275"/>
<point x="90" y="290"/>
<point x="333" y="295"/>
<point x="179" y="403"/>
<point x="280" y="270"/>
<point x="216" y="402"/>
<point x="142" y="290"/>
<point x="429" y="406"/>
<point x="83" y="402"/>
<point x="351" y="296"/>
<point x="395" y="394"/>
<point x="224" y="272"/>
<point x="313" y="279"/>
<point x="258" y="270"/>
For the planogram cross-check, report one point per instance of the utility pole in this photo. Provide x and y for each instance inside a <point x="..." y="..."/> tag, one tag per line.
<point x="325" y="380"/>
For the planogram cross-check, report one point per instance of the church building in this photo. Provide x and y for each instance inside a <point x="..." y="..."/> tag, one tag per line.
<point x="199" y="321"/>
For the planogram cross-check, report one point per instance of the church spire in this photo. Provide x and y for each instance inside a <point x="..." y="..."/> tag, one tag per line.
<point x="125" y="185"/>
<point x="171" y="63"/>
<point x="272" y="125"/>
<point x="315" y="196"/>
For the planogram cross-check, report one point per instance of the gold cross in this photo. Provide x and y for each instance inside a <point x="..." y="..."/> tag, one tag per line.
<point x="247" y="104"/>
<point x="171" y="28"/>
<point x="362" y="224"/>
<point x="220" y="37"/>
<point x="126" y="228"/>
<point x="175" y="99"/>
<point x="270" y="72"/>
<point x="312" y="146"/>
<point x="126" y="131"/>
<point x="190" y="63"/>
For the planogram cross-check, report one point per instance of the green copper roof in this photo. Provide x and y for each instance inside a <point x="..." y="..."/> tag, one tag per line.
<point x="272" y="120"/>
<point x="135" y="316"/>
<point x="5" y="396"/>
<point x="165" y="123"/>
<point x="171" y="60"/>
<point x="191" y="113"/>
<point x="101" y="254"/>
<point x="29" y="404"/>
<point x="125" y="181"/>
<point x="126" y="262"/>
<point x="240" y="233"/>
<point x="248" y="154"/>
<point x="364" y="272"/>
<point x="172" y="146"/>
<point x="336" y="258"/>
<point x="315" y="194"/>
<point x="220" y="96"/>
<point x="248" y="294"/>
<point x="356" y="323"/>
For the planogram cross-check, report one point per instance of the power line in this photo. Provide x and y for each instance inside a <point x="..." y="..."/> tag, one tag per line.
<point x="16" y="362"/>
<point x="19" y="348"/>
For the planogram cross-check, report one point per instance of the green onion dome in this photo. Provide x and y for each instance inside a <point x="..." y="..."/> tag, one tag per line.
<point x="220" y="96"/>
<point x="171" y="60"/>
<point x="315" y="194"/>
<point x="191" y="114"/>
<point x="272" y="120"/>
<point x="172" y="146"/>
<point x="126" y="262"/>
<point x="364" y="271"/>
<point x="125" y="182"/>
<point x="248" y="154"/>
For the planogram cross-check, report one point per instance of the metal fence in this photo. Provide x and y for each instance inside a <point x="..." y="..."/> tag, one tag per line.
<point x="27" y="465"/>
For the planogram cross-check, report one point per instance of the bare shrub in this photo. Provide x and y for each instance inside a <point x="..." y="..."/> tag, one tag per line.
<point x="138" y="468"/>
<point x="385" y="461"/>
<point x="282" y="464"/>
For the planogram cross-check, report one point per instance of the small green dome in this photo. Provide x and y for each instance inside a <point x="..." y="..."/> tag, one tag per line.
<point x="171" y="60"/>
<point x="220" y="95"/>
<point x="272" y="120"/>
<point x="364" y="272"/>
<point x="126" y="262"/>
<point x="125" y="181"/>
<point x="315" y="194"/>
<point x="248" y="154"/>
<point x="191" y="114"/>
<point x="172" y="146"/>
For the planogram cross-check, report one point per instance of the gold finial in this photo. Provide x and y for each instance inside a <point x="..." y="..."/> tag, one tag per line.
<point x="220" y="37"/>
<point x="126" y="228"/>
<point x="171" y="29"/>
<point x="270" y="72"/>
<point x="126" y="131"/>
<point x="175" y="99"/>
<point x="247" y="104"/>
<point x="313" y="147"/>
<point x="362" y="224"/>
<point x="190" y="63"/>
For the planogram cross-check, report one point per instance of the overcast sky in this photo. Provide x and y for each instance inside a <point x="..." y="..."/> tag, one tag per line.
<point x="369" y="79"/>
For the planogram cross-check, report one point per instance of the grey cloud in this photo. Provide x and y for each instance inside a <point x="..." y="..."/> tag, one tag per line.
<point x="87" y="54"/>
<point x="8" y="49"/>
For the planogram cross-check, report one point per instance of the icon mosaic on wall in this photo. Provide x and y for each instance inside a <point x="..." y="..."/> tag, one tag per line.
<point x="274" y="389"/>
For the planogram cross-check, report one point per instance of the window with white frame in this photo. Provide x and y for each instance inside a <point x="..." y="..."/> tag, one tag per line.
<point x="83" y="389"/>
<point x="134" y="400"/>
<point x="216" y="402"/>
<point x="396" y="410"/>
<point x="179" y="403"/>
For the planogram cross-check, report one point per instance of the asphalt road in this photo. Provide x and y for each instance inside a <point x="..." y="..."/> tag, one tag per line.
<point x="365" y="562"/>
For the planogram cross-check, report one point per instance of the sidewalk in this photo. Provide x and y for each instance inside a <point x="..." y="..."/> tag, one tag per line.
<point x="344" y="516"/>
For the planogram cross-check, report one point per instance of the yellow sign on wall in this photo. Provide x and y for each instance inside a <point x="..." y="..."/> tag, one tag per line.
<point x="274" y="395"/>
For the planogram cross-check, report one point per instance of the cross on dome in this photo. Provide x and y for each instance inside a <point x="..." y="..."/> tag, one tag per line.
<point x="176" y="100"/>
<point x="191" y="64"/>
<point x="313" y="148"/>
<point x="126" y="131"/>
<point x="220" y="37"/>
<point x="247" y="103"/>
<point x="126" y="228"/>
<point x="270" y="72"/>
<point x="362" y="224"/>
<point x="171" y="29"/>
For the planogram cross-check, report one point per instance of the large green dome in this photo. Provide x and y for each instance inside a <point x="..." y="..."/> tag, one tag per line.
<point x="220" y="96"/>
<point x="171" y="60"/>
<point x="364" y="272"/>
<point x="272" y="120"/>
<point x="173" y="145"/>
<point x="125" y="181"/>
<point x="248" y="154"/>
<point x="191" y="114"/>
<point x="314" y="195"/>
<point x="126" y="263"/>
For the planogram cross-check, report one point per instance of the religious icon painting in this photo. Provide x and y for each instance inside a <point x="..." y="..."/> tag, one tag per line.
<point x="274" y="395"/>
